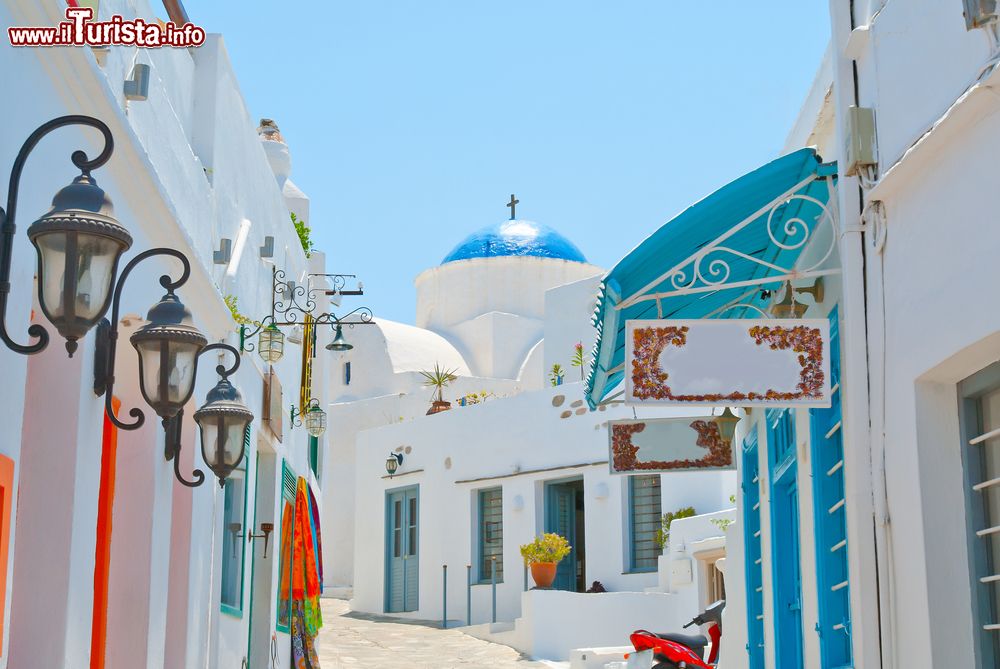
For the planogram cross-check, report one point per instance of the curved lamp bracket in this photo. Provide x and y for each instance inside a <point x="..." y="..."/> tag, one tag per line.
<point x="7" y="218"/>
<point x="107" y="335"/>
<point x="172" y="449"/>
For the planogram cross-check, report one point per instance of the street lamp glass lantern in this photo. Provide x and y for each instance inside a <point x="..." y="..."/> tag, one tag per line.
<point x="726" y="424"/>
<point x="223" y="421"/>
<point x="271" y="344"/>
<point x="168" y="347"/>
<point x="339" y="343"/>
<point x="393" y="462"/>
<point x="315" y="421"/>
<point x="78" y="243"/>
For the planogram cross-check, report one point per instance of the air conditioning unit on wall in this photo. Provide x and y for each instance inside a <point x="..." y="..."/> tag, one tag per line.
<point x="979" y="13"/>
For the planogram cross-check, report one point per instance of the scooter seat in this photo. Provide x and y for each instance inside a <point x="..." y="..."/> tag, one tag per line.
<point x="695" y="642"/>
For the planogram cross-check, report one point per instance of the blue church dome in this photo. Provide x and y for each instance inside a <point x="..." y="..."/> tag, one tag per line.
<point x="516" y="238"/>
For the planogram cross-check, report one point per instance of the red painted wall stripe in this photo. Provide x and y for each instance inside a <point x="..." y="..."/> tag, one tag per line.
<point x="102" y="561"/>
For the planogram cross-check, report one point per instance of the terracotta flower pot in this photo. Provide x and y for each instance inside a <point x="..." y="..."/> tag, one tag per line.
<point x="543" y="573"/>
<point x="438" y="407"/>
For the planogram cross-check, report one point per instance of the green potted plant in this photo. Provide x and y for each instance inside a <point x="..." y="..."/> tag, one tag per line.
<point x="662" y="536"/>
<point x="543" y="556"/>
<point x="439" y="379"/>
<point x="556" y="375"/>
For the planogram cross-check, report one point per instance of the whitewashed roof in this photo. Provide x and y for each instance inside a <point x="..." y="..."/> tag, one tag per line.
<point x="413" y="349"/>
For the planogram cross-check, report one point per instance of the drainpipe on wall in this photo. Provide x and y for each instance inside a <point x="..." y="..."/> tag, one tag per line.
<point x="869" y="563"/>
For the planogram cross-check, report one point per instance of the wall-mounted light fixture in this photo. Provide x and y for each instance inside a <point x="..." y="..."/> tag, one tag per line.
<point x="726" y="424"/>
<point x="313" y="416"/>
<point x="290" y="304"/>
<point x="265" y="532"/>
<point x="78" y="243"/>
<point x="169" y="346"/>
<point x="393" y="462"/>
<point x="789" y="307"/>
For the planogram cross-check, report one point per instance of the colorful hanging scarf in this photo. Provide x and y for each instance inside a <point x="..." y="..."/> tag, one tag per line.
<point x="306" y="615"/>
<point x="314" y="507"/>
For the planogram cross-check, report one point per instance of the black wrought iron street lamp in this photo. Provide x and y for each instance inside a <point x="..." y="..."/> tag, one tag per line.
<point x="223" y="421"/>
<point x="313" y="416"/>
<point x="169" y="346"/>
<point x="78" y="243"/>
<point x="290" y="303"/>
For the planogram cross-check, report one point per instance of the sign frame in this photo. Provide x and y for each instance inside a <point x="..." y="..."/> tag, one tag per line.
<point x="805" y="342"/>
<point x="622" y="451"/>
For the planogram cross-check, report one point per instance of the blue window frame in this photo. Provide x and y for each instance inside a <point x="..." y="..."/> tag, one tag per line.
<point x="979" y="410"/>
<point x="645" y="514"/>
<point x="234" y="513"/>
<point x="750" y="486"/>
<point x="490" y="534"/>
<point x="826" y="437"/>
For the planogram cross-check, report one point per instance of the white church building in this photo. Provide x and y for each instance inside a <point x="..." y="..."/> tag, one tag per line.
<point x="518" y="453"/>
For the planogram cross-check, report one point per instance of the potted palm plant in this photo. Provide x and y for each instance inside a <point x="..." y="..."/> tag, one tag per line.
<point x="543" y="556"/>
<point x="439" y="379"/>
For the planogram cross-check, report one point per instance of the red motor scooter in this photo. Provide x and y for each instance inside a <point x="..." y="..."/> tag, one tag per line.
<point x="685" y="651"/>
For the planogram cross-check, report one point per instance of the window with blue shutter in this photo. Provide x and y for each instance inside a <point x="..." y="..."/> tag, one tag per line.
<point x="645" y="516"/>
<point x="750" y="486"/>
<point x="825" y="426"/>
<point x="286" y="533"/>
<point x="490" y="534"/>
<point x="234" y="531"/>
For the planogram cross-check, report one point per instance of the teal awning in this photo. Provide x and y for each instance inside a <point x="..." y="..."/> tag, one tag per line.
<point x="717" y="253"/>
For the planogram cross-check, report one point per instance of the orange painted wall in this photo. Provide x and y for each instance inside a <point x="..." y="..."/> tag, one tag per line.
<point x="6" y="500"/>
<point x="105" y="505"/>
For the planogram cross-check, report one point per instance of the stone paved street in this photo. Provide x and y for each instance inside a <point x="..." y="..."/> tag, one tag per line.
<point x="360" y="641"/>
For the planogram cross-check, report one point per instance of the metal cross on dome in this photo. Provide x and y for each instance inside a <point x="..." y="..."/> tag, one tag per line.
<point x="512" y="204"/>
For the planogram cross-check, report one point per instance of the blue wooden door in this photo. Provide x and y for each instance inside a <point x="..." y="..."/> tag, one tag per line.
<point x="401" y="549"/>
<point x="560" y="518"/>
<point x="785" y="541"/>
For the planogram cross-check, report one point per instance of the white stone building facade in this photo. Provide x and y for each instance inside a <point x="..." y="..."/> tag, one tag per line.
<point x="108" y="559"/>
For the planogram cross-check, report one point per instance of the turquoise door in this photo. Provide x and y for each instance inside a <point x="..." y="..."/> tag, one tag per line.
<point x="560" y="517"/>
<point x="402" y="508"/>
<point x="785" y="541"/>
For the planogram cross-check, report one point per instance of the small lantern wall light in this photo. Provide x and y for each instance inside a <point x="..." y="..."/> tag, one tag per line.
<point x="271" y="344"/>
<point x="726" y="424"/>
<point x="265" y="533"/>
<point x="223" y="421"/>
<point x="789" y="307"/>
<point x="313" y="416"/>
<point x="393" y="462"/>
<point x="78" y="244"/>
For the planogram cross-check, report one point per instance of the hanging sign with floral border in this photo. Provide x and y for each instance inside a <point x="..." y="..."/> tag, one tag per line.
<point x="737" y="362"/>
<point x="667" y="445"/>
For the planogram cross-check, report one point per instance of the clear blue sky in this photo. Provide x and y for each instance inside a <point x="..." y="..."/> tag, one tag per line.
<point x="410" y="123"/>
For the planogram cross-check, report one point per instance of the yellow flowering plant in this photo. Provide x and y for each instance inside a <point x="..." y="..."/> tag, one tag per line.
<point x="548" y="548"/>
